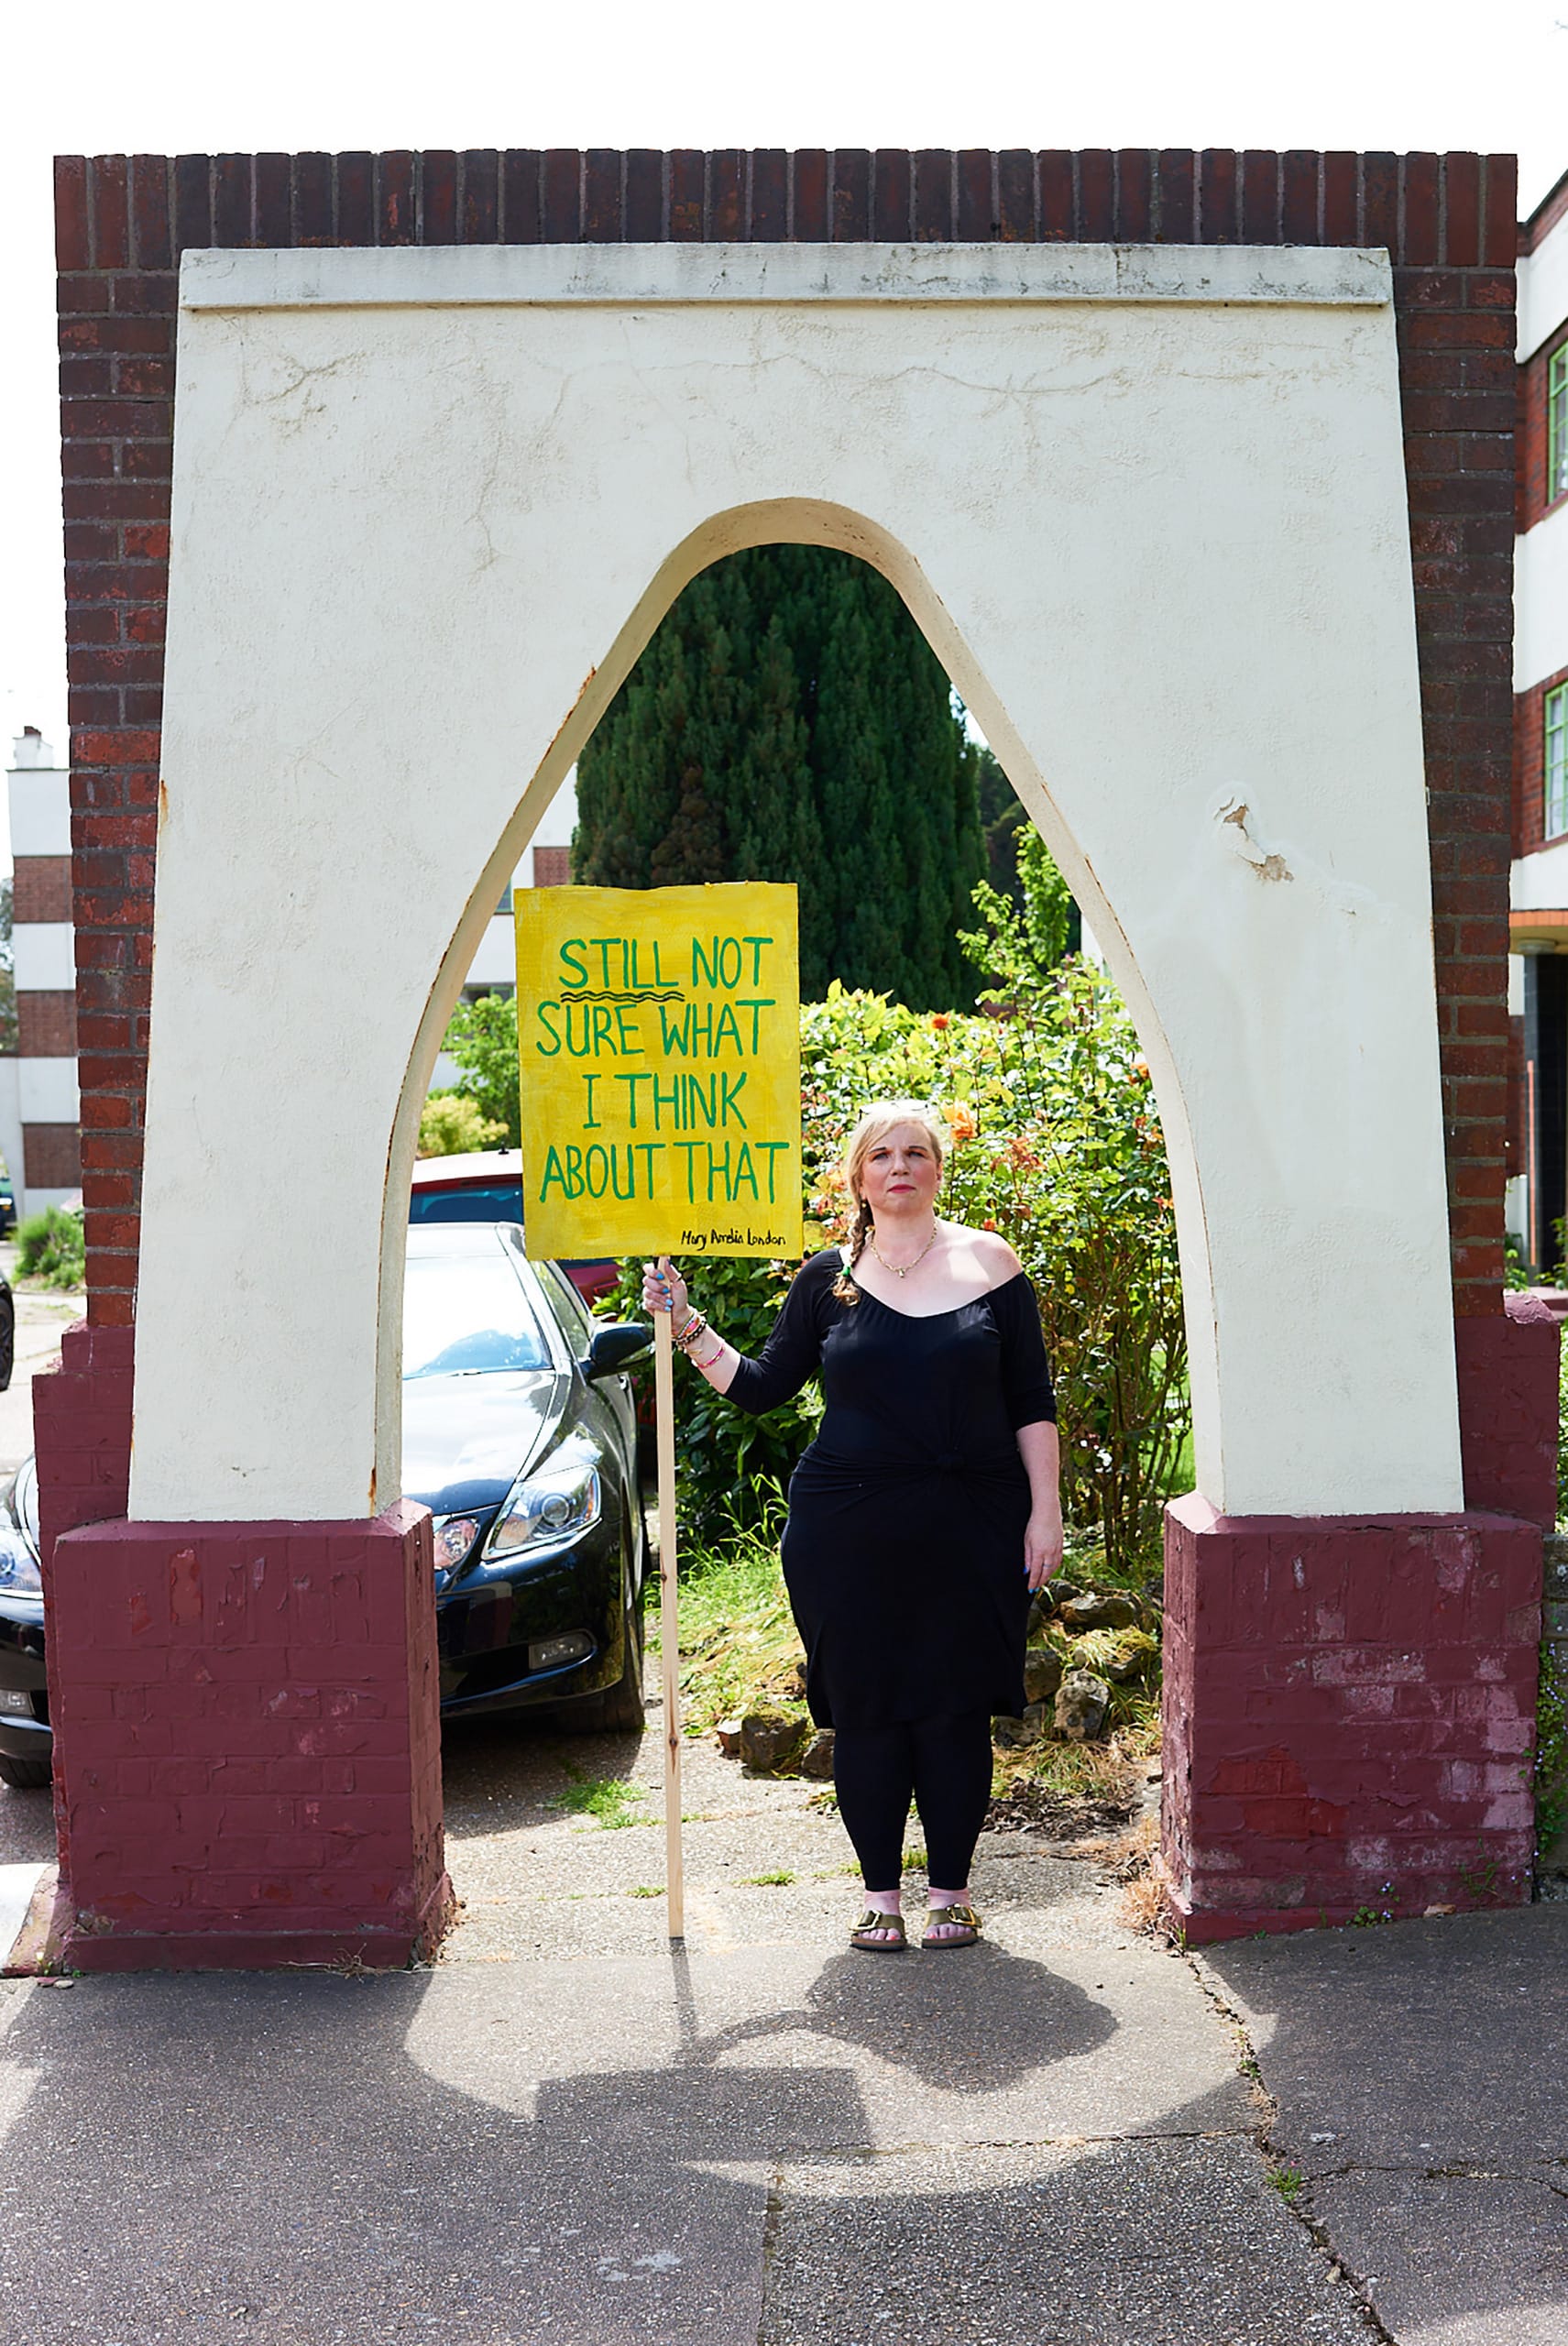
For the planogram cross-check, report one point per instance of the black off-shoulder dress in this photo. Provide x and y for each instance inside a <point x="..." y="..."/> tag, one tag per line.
<point x="904" y="1553"/>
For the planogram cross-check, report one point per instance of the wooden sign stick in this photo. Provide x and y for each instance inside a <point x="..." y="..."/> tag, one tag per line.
<point x="669" y="1623"/>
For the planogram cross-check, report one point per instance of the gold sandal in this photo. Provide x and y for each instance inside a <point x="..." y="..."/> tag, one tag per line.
<point x="873" y="1919"/>
<point x="936" y="1916"/>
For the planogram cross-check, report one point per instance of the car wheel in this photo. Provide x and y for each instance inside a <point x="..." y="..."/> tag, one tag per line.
<point x="25" y="1775"/>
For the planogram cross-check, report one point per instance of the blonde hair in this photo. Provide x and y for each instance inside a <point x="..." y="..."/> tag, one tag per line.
<point x="876" y="1122"/>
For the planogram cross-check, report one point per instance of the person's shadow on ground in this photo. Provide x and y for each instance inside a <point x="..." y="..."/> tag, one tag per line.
<point x="347" y="2160"/>
<point x="973" y="2021"/>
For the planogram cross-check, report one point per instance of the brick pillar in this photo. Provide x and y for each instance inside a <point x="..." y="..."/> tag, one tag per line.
<point x="1508" y="1408"/>
<point x="1350" y="1702"/>
<point x="1349" y="1716"/>
<point x="248" y="1767"/>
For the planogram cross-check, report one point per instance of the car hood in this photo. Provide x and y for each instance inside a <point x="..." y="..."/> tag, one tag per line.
<point x="467" y="1439"/>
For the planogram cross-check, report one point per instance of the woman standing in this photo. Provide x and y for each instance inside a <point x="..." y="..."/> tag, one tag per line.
<point x="922" y="1517"/>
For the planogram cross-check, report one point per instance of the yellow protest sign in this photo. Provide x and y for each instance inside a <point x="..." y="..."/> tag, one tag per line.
<point x="659" y="1042"/>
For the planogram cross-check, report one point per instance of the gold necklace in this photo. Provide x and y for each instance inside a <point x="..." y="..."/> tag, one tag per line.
<point x="902" y="1270"/>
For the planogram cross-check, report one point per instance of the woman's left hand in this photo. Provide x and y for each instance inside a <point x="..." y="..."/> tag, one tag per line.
<point x="1042" y="1546"/>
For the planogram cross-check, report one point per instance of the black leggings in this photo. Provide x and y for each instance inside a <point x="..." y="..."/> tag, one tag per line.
<point x="944" y="1764"/>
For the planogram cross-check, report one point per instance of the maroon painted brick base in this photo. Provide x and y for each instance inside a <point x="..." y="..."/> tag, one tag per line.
<point x="248" y="1766"/>
<point x="1349" y="1715"/>
<point x="1507" y="1409"/>
<point x="82" y="1430"/>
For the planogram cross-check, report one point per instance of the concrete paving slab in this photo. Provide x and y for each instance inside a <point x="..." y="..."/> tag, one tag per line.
<point x="1101" y="2244"/>
<point x="562" y="2133"/>
<point x="995" y="2045"/>
<point x="1420" y="2043"/>
<point x="1393" y="2054"/>
<point x="1473" y="2260"/>
<point x="17" y="1883"/>
<point x="194" y="2157"/>
<point x="763" y="1864"/>
<point x="579" y="2149"/>
<point x="26" y="1827"/>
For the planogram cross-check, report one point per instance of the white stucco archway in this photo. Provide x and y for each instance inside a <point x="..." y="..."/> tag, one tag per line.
<point x="1148" y="505"/>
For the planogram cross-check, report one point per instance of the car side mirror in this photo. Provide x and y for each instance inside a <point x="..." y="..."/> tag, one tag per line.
<point x="615" y="1347"/>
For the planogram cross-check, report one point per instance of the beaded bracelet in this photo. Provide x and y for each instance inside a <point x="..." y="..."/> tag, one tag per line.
<point x="691" y="1332"/>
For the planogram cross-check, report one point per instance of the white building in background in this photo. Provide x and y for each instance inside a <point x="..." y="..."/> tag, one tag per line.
<point x="547" y="863"/>
<point x="1538" y="968"/>
<point x="39" y="1101"/>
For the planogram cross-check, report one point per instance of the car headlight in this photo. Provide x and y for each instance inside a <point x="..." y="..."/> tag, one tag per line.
<point x="19" y="1574"/>
<point x="547" y="1509"/>
<point x="454" y="1535"/>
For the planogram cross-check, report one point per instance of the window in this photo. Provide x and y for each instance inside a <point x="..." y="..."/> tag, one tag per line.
<point x="497" y="1201"/>
<point x="1557" y="424"/>
<point x="464" y="1314"/>
<point x="1555" y="762"/>
<point x="570" y="1307"/>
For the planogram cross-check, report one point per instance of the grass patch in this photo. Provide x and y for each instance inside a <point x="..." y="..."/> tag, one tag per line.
<point x="1084" y="1564"/>
<point x="915" y="1857"/>
<point x="1108" y="1771"/>
<point x="739" y="1648"/>
<point x="647" y="1890"/>
<point x="779" y="1880"/>
<point x="1287" y="2181"/>
<point x="610" y="1801"/>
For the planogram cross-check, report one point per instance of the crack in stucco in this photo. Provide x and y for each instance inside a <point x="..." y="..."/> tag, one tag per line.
<point x="302" y="375"/>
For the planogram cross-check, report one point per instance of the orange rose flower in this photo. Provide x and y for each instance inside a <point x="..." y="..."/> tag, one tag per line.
<point x="939" y="1020"/>
<point x="961" y="1121"/>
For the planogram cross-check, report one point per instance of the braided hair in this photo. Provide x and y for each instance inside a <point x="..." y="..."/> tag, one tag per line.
<point x="844" y="1287"/>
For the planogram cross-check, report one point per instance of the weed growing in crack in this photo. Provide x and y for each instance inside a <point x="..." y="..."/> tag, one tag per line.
<point x="608" y="1800"/>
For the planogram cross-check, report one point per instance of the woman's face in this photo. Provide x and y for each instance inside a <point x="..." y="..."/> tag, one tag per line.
<point x="899" y="1173"/>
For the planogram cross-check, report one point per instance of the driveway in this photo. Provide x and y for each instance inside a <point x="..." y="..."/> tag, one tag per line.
<point x="43" y="1314"/>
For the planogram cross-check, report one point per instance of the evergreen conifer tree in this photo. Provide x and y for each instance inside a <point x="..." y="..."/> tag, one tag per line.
<point x="788" y="722"/>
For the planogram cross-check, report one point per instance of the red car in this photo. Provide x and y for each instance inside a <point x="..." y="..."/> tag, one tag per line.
<point x="488" y="1187"/>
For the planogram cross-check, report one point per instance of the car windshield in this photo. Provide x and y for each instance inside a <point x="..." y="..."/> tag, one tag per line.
<point x="463" y="1313"/>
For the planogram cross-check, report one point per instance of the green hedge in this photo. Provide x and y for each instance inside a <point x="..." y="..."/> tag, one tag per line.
<point x="51" y="1246"/>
